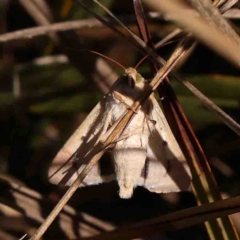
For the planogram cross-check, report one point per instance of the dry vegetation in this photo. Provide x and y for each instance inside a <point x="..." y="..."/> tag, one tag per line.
<point x="50" y="82"/>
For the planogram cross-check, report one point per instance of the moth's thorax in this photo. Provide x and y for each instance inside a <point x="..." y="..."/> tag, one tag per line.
<point x="124" y="96"/>
<point x="129" y="87"/>
<point x="140" y="82"/>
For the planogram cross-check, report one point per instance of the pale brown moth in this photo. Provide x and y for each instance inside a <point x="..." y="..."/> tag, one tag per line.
<point x="147" y="154"/>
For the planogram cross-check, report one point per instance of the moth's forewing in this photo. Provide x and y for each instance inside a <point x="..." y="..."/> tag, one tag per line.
<point x="69" y="161"/>
<point x="166" y="167"/>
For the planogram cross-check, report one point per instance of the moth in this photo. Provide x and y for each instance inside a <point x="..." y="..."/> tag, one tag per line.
<point x="147" y="154"/>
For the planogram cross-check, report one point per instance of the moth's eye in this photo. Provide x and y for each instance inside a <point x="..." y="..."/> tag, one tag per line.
<point x="131" y="82"/>
<point x="138" y="78"/>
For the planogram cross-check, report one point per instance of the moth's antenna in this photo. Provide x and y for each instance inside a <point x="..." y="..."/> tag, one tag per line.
<point x="141" y="61"/>
<point x="101" y="55"/>
<point x="157" y="46"/>
<point x="108" y="58"/>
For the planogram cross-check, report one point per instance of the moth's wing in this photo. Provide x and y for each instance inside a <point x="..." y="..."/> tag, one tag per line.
<point x="68" y="162"/>
<point x="166" y="169"/>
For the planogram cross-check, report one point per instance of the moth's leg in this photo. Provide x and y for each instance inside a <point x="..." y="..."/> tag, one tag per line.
<point x="119" y="97"/>
<point x="152" y="122"/>
<point x="147" y="111"/>
<point x="157" y="139"/>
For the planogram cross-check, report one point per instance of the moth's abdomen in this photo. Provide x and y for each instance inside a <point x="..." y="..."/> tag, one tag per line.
<point x="129" y="157"/>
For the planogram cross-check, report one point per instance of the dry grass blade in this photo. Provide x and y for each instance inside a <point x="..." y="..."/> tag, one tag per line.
<point x="228" y="5"/>
<point x="58" y="208"/>
<point x="143" y="29"/>
<point x="232" y="13"/>
<point x="142" y="24"/>
<point x="214" y="17"/>
<point x="177" y="54"/>
<point x="175" y="221"/>
<point x="200" y="29"/>
<point x="106" y="23"/>
<point x="56" y="27"/>
<point x="166" y="39"/>
<point x="31" y="205"/>
<point x="25" y="235"/>
<point x="205" y="186"/>
<point x="33" y="9"/>
<point x="110" y="137"/>
<point x="229" y="121"/>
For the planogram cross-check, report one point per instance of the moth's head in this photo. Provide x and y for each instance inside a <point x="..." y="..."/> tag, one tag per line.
<point x="134" y="78"/>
